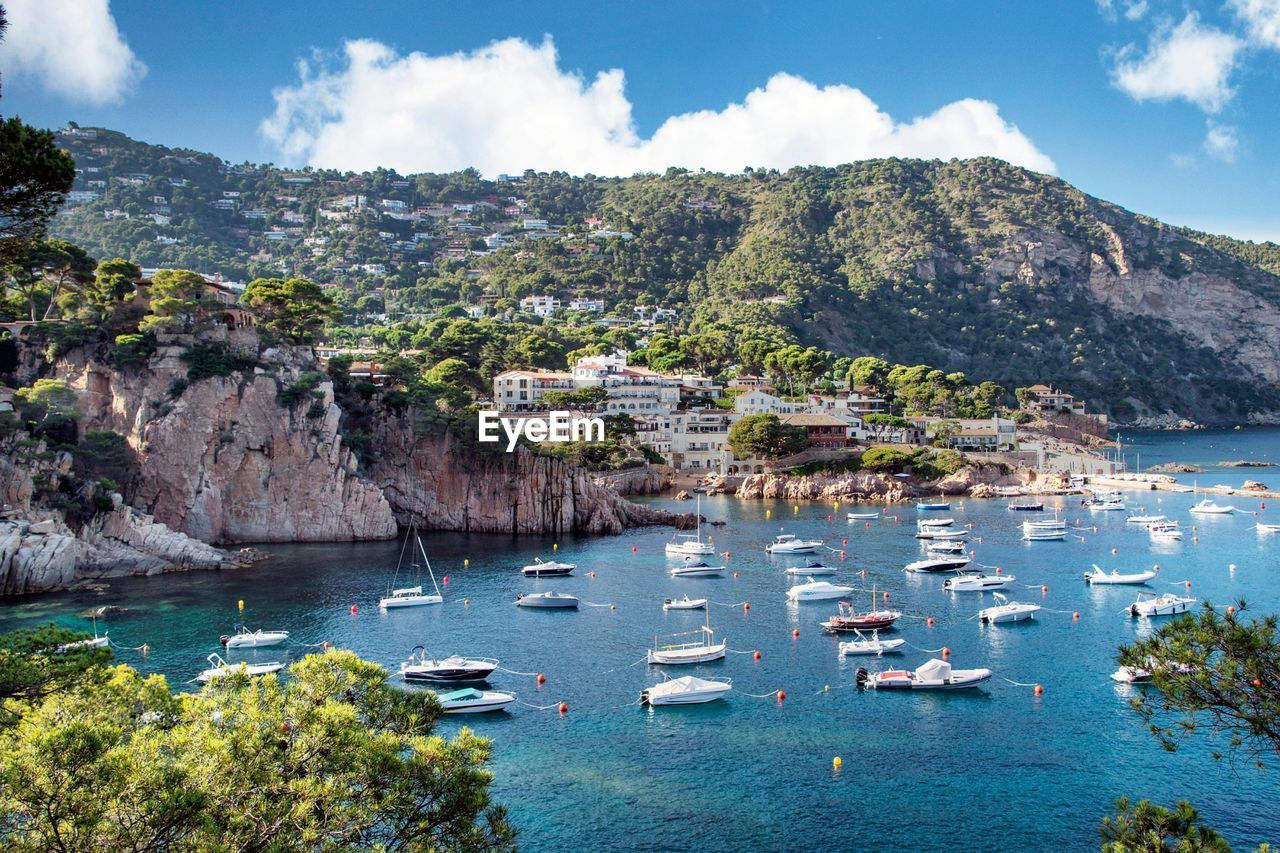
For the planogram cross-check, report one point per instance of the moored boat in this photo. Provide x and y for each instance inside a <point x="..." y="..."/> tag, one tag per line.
<point x="1165" y="531"/>
<point x="940" y="533"/>
<point x="945" y="546"/>
<point x="1131" y="675"/>
<point x="468" y="700"/>
<point x="1146" y="519"/>
<point x="547" y="600"/>
<point x="862" y="516"/>
<point x="246" y="639"/>
<point x="935" y="522"/>
<point x="1099" y="576"/>
<point x="1149" y="605"/>
<point x="703" y="651"/>
<point x="541" y="568"/>
<point x="847" y="619"/>
<point x="817" y="591"/>
<point x="1029" y="505"/>
<point x="696" y="569"/>
<point x="933" y="675"/>
<point x="872" y="645"/>
<point x="1007" y="611"/>
<point x="686" y="690"/>
<point x="814" y="568"/>
<point x="932" y="506"/>
<point x="1268" y="528"/>
<point x="1208" y="507"/>
<point x="219" y="668"/>
<point x="787" y="543"/>
<point x="419" y="667"/>
<point x="412" y="596"/>
<point x="974" y="582"/>
<point x="691" y="544"/>
<point x="685" y="603"/>
<point x="938" y="564"/>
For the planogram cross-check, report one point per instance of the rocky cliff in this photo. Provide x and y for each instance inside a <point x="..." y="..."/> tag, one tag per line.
<point x="975" y="480"/>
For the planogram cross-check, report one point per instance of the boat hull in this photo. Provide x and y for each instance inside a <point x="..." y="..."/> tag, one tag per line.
<point x="410" y="601"/>
<point x="541" y="603"/>
<point x="678" y="657"/>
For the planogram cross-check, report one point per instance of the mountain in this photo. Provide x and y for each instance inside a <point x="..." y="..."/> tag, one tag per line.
<point x="968" y="265"/>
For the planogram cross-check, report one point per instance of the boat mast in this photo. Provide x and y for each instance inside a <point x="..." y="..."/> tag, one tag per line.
<point x="428" y="562"/>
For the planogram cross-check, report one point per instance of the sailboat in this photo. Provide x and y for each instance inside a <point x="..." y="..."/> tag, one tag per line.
<point x="702" y="651"/>
<point x="412" y="596"/>
<point x="687" y="544"/>
<point x="94" y="642"/>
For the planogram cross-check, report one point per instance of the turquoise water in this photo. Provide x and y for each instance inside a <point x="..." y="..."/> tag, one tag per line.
<point x="921" y="771"/>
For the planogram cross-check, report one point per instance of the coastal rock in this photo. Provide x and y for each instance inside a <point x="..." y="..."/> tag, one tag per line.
<point x="643" y="480"/>
<point x="125" y="541"/>
<point x="33" y="561"/>
<point x="1253" y="486"/>
<point x="1246" y="463"/>
<point x="858" y="485"/>
<point x="1176" y="468"/>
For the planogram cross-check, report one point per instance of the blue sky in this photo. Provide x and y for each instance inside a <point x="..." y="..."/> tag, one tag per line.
<point x="1165" y="108"/>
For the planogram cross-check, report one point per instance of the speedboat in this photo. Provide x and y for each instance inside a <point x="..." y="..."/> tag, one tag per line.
<point x="787" y="543"/>
<point x="1044" y="531"/>
<point x="685" y="603"/>
<point x="814" y="568"/>
<point x="696" y="569"/>
<point x="936" y="533"/>
<point x="468" y="700"/>
<point x="686" y="690"/>
<point x="246" y="639"/>
<point x="933" y="675"/>
<point x="870" y="646"/>
<point x="817" y="591"/>
<point x="862" y="516"/>
<point x="926" y="506"/>
<point x="219" y="667"/>
<point x="935" y="522"/>
<point x="691" y="544"/>
<point x="1026" y="506"/>
<point x="547" y="600"/>
<point x="1101" y="504"/>
<point x="1165" y="531"/>
<point x="1208" y="507"/>
<point x="847" y="619"/>
<point x="1131" y="675"/>
<point x="421" y="668"/>
<point x="1145" y="519"/>
<point x="974" y="582"/>
<point x="1007" y="611"/>
<point x="945" y="546"/>
<point x="938" y="564"/>
<point x="1098" y="576"/>
<point x="1160" y="605"/>
<point x="702" y="651"/>
<point x="1268" y="528"/>
<point x="412" y="596"/>
<point x="541" y="568"/>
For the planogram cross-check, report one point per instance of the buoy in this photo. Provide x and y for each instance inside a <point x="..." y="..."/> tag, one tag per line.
<point x="727" y="554"/>
<point x="829" y="517"/>
<point x="1075" y="614"/>
<point x="735" y="574"/>
<point x="929" y="622"/>
<point x="795" y="508"/>
<point x="1044" y="589"/>
<point x="1156" y="567"/>
<point x="826" y="688"/>
<point x="591" y="573"/>
<point x="868" y="525"/>
<point x="555" y="546"/>
<point x="1194" y="528"/>
<point x="325" y="644"/>
<point x="998" y="569"/>
<point x="466" y="602"/>
<point x="633" y="549"/>
<point x="446" y="578"/>
<point x="1039" y="689"/>
<point x="146" y="648"/>
<point x="1231" y="567"/>
<point x="844" y="541"/>
<point x="354" y="610"/>
<point x="466" y="564"/>
<point x="240" y="604"/>
<point x="613" y="607"/>
<point x="1188" y="584"/>
<point x="1231" y="610"/>
<point x="842" y="555"/>
<point x="756" y="656"/>
<point x="946" y="652"/>
<point x="768" y="513"/>
<point x="746" y="605"/>
<point x="542" y="679"/>
<point x="1095" y="528"/>
<point x="782" y="694"/>
<point x="564" y="707"/>
<point x="837" y="506"/>
<point x="1257" y="682"/>
<point x="1114" y="552"/>
<point x="886" y="596"/>
<point x="795" y="635"/>
<point x="1195" y="538"/>
<point x="836" y="763"/>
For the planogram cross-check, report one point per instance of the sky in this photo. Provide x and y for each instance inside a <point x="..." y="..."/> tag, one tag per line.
<point x="1166" y="108"/>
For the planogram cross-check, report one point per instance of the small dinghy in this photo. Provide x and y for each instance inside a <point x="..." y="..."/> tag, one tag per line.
<point x="468" y="700"/>
<point x="1007" y="611"/>
<point x="686" y="690"/>
<point x="541" y="568"/>
<point x="933" y="675"/>
<point x="938" y="564"/>
<point x="1208" y="507"/>
<point x="940" y="533"/>
<point x="814" y="568"/>
<point x="935" y="522"/>
<point x="952" y="546"/>
<point x="1145" y="519"/>
<point x="685" y="603"/>
<point x="974" y="582"/>
<point x="219" y="668"/>
<point x="547" y="600"/>
<point x="862" y="516"/>
<point x="1099" y="576"/>
<point x="246" y="639"/>
<point x="419" y="667"/>
<point x="817" y="591"/>
<point x="933" y="506"/>
<point x="696" y="569"/>
<point x="1150" y="605"/>
<point x="787" y="543"/>
<point x="872" y="645"/>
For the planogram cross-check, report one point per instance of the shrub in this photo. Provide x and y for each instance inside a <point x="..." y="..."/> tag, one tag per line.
<point x="205" y="362"/>
<point x="885" y="459"/>
<point x="299" y="389"/>
<point x="132" y="350"/>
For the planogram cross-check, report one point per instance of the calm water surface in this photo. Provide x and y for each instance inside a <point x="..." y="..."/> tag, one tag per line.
<point x="920" y="771"/>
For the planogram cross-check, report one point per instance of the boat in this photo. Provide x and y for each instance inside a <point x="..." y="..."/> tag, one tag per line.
<point x="94" y="642"/>
<point x="862" y="516"/>
<point x="412" y="596"/>
<point x="685" y="603"/>
<point x="468" y="700"/>
<point x="1165" y="531"/>
<point x="1268" y="528"/>
<point x="1208" y="507"/>
<point x="547" y="600"/>
<point x="787" y="543"/>
<point x="419" y="667"/>
<point x="246" y="639"/>
<point x="936" y="533"/>
<point x="945" y="546"/>
<point x="1146" y="519"/>
<point x="932" y="675"/>
<point x="1044" y="531"/>
<point x="685" y="690"/>
<point x="696" y="569"/>
<point x="847" y="619"/>
<point x="817" y="591"/>
<point x="935" y="522"/>
<point x="1160" y="605"/>
<point x="691" y="544"/>
<point x="219" y="667"/>
<point x="1101" y="504"/>
<point x="1099" y="576"/>
<point x="872" y="645"/>
<point x="814" y="568"/>
<point x="1007" y="611"/>
<point x="926" y="506"/>
<point x="541" y="568"/>
<point x="938" y="564"/>
<point x="1026" y="506"/>
<point x="1178" y="487"/>
<point x="974" y="582"/>
<point x="1131" y="675"/>
<point x="673" y="654"/>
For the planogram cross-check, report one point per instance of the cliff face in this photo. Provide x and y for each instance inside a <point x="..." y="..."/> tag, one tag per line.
<point x="975" y="480"/>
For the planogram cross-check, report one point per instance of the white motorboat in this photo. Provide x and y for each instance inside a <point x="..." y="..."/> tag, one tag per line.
<point x="547" y="600"/>
<point x="1007" y="611"/>
<point x="938" y="564"/>
<point x="935" y="522"/>
<point x="1099" y="576"/>
<point x="419" y="667"/>
<point x="1145" y="519"/>
<point x="814" y="569"/>
<point x="1149" y="605"/>
<point x="1044" y="531"/>
<point x="1028" y="505"/>
<point x="932" y="506"/>
<point x="685" y="603"/>
<point x="686" y="690"/>
<point x="691" y="544"/>
<point x="1268" y="528"/>
<point x="945" y="546"/>
<point x="933" y="675"/>
<point x="696" y="569"/>
<point x="246" y="639"/>
<point x="787" y="543"/>
<point x="862" y="516"/>
<point x="674" y="654"/>
<point x="219" y="668"/>
<point x="1105" y="505"/>
<point x="974" y="582"/>
<point x="541" y="568"/>
<point x="1208" y="507"/>
<point x="412" y="596"/>
<point x="468" y="700"/>
<point x="817" y="591"/>
<point x="940" y="533"/>
<point x="1131" y="675"/>
<point x="872" y="645"/>
<point x="1165" y="531"/>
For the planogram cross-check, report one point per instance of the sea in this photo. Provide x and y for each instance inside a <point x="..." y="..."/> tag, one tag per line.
<point x="1001" y="766"/>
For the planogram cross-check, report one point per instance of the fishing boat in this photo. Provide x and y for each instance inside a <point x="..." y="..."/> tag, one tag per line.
<point x="928" y="506"/>
<point x="940" y="533"/>
<point x="1099" y="576"/>
<point x="1165" y="531"/>
<point x="691" y="544"/>
<point x="872" y="645"/>
<point x="862" y="516"/>
<point x="1208" y="507"/>
<point x="1149" y="605"/>
<point x="468" y="700"/>
<point x="246" y="639"/>
<point x="686" y="690"/>
<point x="412" y="596"/>
<point x="1026" y="506"/>
<point x="219" y="668"/>
<point x="685" y="603"/>
<point x="1007" y="611"/>
<point x="847" y="619"/>
<point x="674" y="654"/>
<point x="696" y="569"/>
<point x="1146" y="519"/>
<point x="419" y="667"/>
<point x="945" y="546"/>
<point x="935" y="522"/>
<point x="1268" y="528"/>
<point x="1044" y="531"/>
<point x="541" y="568"/>
<point x="547" y="600"/>
<point x="1131" y="675"/>
<point x="814" y="568"/>
<point x="787" y="543"/>
<point x="974" y="582"/>
<point x="933" y="675"/>
<point x="817" y="591"/>
<point x="938" y="564"/>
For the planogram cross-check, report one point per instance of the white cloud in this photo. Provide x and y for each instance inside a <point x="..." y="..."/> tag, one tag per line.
<point x="1189" y="61"/>
<point x="72" y="46"/>
<point x="1261" y="18"/>
<point x="1221" y="142"/>
<point x="509" y="106"/>
<point x="1135" y="11"/>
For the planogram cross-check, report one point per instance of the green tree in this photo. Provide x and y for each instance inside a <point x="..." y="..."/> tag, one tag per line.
<point x="885" y="459"/>
<point x="1148" y="828"/>
<point x="35" y="663"/>
<point x="176" y="298"/>
<point x="294" y="309"/>
<point x="35" y="177"/>
<point x="868" y="370"/>
<point x="765" y="436"/>
<point x="456" y="372"/>
<point x="48" y="397"/>
<point x="880" y="426"/>
<point x="537" y="351"/>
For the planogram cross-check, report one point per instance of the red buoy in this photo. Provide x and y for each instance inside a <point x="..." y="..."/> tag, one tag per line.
<point x="564" y="707"/>
<point x="354" y="610"/>
<point x="756" y="656"/>
<point x="542" y="679"/>
<point x="782" y="694"/>
<point x="930" y="622"/>
<point x="795" y="635"/>
<point x="1039" y="689"/>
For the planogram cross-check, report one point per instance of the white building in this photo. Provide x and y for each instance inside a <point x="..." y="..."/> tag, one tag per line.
<point x="522" y="390"/>
<point x="595" y="306"/>
<point x="543" y="306"/>
<point x="759" y="402"/>
<point x="535" y="225"/>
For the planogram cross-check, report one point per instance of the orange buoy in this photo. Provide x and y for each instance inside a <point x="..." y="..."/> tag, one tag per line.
<point x="795" y="635"/>
<point x="746" y="605"/>
<point x="591" y="573"/>
<point x="756" y="656"/>
<point x="1231" y="609"/>
<point x="868" y="525"/>
<point x="633" y="549"/>
<point x="1188" y="584"/>
<point x="1195" y="538"/>
<point x="886" y="596"/>
<point x="1075" y="614"/>
<point x="146" y="648"/>
<point x="727" y="554"/>
<point x="1044" y="589"/>
<point x="325" y="644"/>
<point x="564" y="707"/>
<point x="782" y="694"/>
<point x="542" y="679"/>
<point x="1156" y="567"/>
<point x="998" y="569"/>
<point x="929" y="622"/>
<point x="1039" y="689"/>
<point x="946" y="652"/>
<point x="844" y="541"/>
<point x="354" y="610"/>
